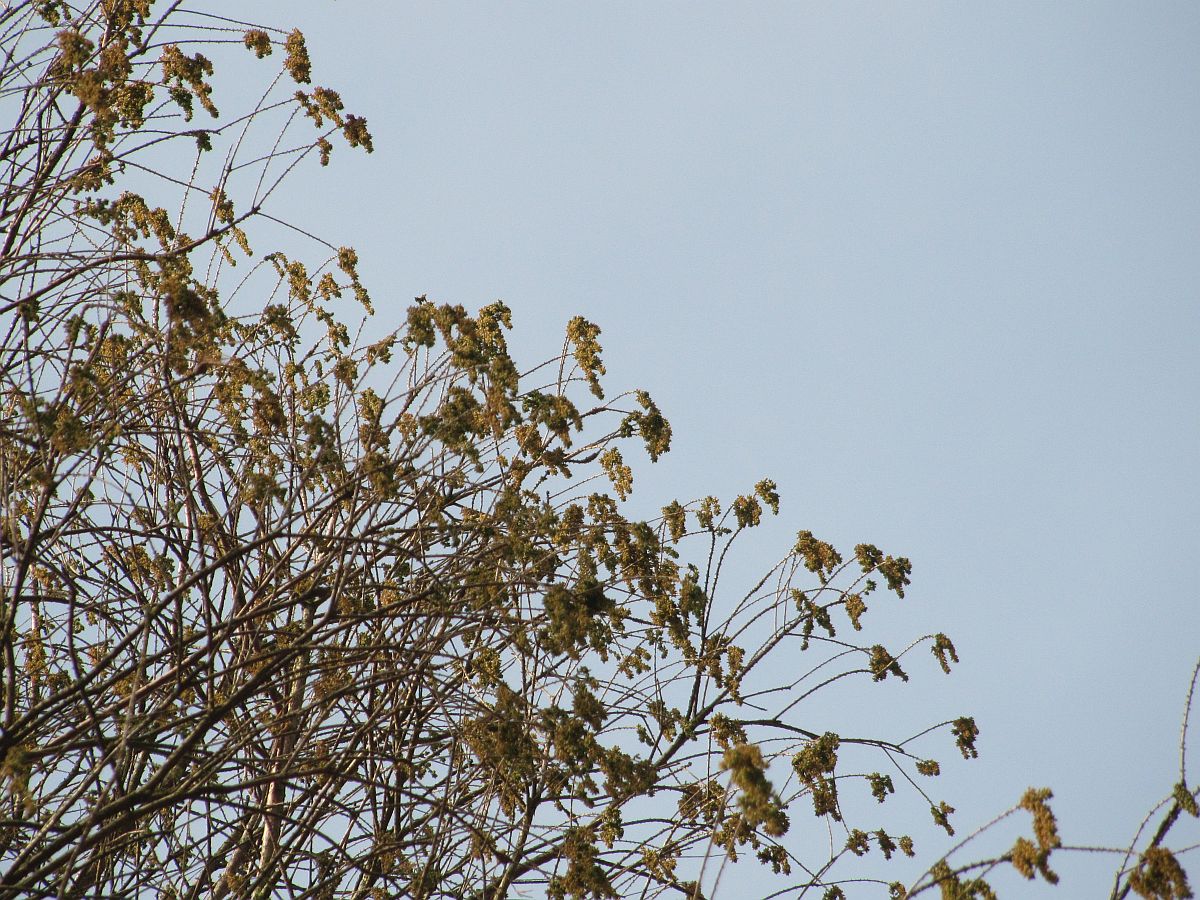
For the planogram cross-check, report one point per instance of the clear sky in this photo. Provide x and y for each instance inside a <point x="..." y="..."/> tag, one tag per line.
<point x="932" y="267"/>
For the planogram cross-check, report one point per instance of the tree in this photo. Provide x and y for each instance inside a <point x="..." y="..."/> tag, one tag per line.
<point x="288" y="612"/>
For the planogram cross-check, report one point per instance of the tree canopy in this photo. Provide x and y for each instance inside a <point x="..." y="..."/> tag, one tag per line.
<point x="293" y="607"/>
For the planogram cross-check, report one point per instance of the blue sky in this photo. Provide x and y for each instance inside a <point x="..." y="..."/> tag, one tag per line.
<point x="931" y="267"/>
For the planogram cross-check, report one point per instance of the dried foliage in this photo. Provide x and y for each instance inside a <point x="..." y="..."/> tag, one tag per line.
<point x="291" y="613"/>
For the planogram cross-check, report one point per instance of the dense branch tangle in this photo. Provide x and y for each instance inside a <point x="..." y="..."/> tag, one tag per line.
<point x="291" y="614"/>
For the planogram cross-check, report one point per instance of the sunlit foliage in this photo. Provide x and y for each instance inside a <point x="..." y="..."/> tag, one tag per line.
<point x="294" y="607"/>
